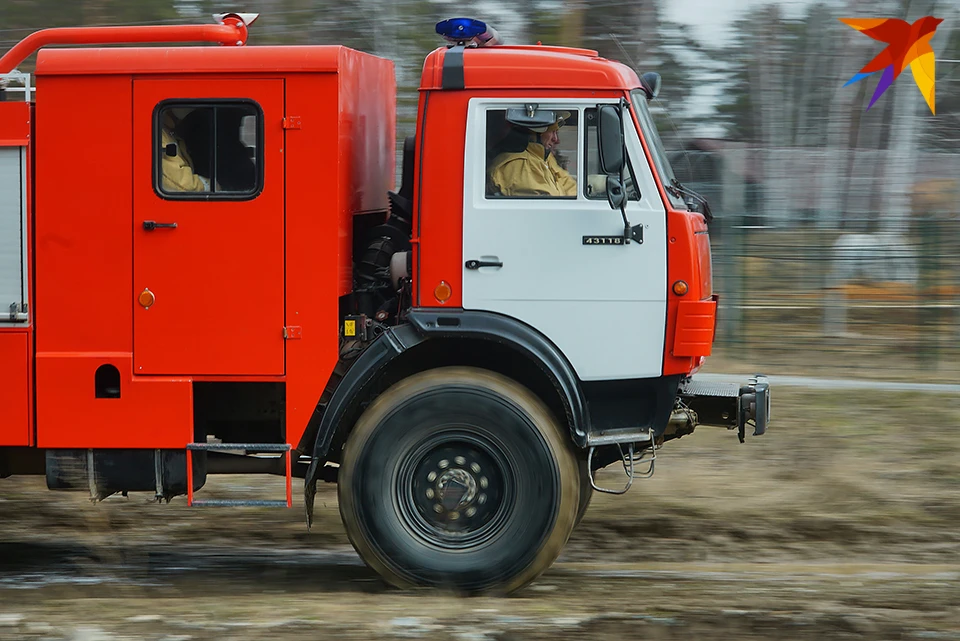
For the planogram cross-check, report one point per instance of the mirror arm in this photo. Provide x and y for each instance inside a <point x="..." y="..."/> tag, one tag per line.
<point x="627" y="227"/>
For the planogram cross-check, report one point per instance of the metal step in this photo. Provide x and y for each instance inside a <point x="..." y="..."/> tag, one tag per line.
<point x="710" y="388"/>
<point x="619" y="435"/>
<point x="283" y="448"/>
<point x="249" y="447"/>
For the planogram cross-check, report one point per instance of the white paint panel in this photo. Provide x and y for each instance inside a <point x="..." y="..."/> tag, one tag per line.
<point x="13" y="275"/>
<point x="603" y="306"/>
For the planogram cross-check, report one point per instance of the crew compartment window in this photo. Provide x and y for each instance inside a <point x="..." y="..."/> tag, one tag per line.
<point x="208" y="150"/>
<point x="522" y="162"/>
<point x="595" y="185"/>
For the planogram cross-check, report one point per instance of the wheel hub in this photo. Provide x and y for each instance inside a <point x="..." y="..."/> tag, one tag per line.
<point x="456" y="490"/>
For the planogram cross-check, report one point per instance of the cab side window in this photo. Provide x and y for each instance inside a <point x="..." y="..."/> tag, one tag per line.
<point x="532" y="156"/>
<point x="595" y="184"/>
<point x="208" y="150"/>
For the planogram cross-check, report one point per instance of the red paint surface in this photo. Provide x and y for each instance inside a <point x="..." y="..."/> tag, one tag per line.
<point x="15" y="388"/>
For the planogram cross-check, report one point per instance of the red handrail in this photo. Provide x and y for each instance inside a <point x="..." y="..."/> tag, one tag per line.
<point x="233" y="31"/>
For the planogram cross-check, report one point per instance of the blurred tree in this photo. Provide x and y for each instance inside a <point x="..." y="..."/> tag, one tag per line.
<point x="942" y="132"/>
<point x="21" y="17"/>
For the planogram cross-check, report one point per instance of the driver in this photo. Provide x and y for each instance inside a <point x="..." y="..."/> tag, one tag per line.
<point x="531" y="167"/>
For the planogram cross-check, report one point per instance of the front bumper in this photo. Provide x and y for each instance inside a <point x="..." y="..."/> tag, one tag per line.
<point x="729" y="405"/>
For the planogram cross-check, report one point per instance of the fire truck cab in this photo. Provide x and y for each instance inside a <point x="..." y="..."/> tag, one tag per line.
<point x="204" y="258"/>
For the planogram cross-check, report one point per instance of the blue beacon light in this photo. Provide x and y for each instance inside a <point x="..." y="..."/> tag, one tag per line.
<point x="467" y="30"/>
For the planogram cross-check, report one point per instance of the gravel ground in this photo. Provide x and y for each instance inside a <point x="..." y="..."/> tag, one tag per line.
<point x="841" y="522"/>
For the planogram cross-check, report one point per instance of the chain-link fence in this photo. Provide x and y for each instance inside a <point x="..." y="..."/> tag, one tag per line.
<point x="862" y="291"/>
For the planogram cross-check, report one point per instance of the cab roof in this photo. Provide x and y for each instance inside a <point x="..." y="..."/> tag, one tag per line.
<point x="525" y="67"/>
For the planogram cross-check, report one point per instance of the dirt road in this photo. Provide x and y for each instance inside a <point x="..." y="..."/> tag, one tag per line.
<point x="840" y="523"/>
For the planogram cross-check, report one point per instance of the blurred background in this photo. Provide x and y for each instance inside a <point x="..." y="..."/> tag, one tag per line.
<point x="836" y="226"/>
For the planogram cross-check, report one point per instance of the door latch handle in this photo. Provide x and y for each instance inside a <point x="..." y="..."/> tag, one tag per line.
<point x="150" y="225"/>
<point x="477" y="264"/>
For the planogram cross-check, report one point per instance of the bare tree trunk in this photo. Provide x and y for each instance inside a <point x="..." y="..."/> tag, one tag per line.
<point x="571" y="30"/>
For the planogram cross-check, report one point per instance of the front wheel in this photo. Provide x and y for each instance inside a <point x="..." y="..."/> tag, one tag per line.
<point x="459" y="478"/>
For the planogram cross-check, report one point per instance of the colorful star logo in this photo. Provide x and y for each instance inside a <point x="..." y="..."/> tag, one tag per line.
<point x="907" y="44"/>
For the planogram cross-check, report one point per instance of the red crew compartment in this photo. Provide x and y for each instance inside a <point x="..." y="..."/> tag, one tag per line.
<point x="212" y="238"/>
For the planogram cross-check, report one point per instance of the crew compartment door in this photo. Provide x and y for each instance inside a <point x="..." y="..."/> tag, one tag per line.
<point x="208" y="293"/>
<point x="602" y="304"/>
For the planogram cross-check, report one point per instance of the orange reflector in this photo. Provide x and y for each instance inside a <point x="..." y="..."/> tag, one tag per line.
<point x="147" y="298"/>
<point x="680" y="288"/>
<point x="443" y="292"/>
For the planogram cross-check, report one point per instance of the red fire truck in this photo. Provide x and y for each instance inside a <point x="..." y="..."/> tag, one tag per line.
<point x="204" y="269"/>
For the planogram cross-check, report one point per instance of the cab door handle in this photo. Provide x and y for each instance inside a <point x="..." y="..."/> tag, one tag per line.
<point x="477" y="264"/>
<point x="150" y="225"/>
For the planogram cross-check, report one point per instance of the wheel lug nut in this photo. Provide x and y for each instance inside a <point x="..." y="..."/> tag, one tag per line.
<point x="454" y="516"/>
<point x="460" y="460"/>
<point x="437" y="508"/>
<point x="481" y="499"/>
<point x="444" y="464"/>
<point x="484" y="482"/>
<point x="471" y="511"/>
<point x="431" y="477"/>
<point x="475" y="468"/>
<point x="429" y="492"/>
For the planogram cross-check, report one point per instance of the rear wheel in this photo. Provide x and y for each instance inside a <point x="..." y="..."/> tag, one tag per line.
<point x="459" y="478"/>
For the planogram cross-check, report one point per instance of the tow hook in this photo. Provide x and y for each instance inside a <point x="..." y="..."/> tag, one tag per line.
<point x="729" y="405"/>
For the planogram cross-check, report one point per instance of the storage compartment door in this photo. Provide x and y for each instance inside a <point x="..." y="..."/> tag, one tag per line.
<point x="13" y="237"/>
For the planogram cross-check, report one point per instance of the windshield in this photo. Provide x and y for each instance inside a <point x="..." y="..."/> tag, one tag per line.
<point x="652" y="136"/>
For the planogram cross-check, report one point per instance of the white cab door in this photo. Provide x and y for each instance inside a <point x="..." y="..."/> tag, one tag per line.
<point x="603" y="305"/>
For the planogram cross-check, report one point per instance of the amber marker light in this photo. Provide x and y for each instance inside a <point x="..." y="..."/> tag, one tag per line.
<point x="680" y="288"/>
<point x="442" y="292"/>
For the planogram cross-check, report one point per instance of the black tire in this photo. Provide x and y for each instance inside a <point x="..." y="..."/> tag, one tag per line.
<point x="478" y="434"/>
<point x="586" y="491"/>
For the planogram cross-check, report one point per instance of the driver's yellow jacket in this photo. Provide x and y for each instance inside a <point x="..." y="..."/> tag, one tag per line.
<point x="528" y="173"/>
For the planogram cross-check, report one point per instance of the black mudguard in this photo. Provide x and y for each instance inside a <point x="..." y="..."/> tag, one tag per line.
<point x="423" y="325"/>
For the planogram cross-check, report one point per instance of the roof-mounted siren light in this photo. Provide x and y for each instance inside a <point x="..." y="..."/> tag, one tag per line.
<point x="468" y="31"/>
<point x="246" y="18"/>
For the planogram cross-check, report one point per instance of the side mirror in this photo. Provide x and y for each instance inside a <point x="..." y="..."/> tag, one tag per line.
<point x="651" y="83"/>
<point x="610" y="137"/>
